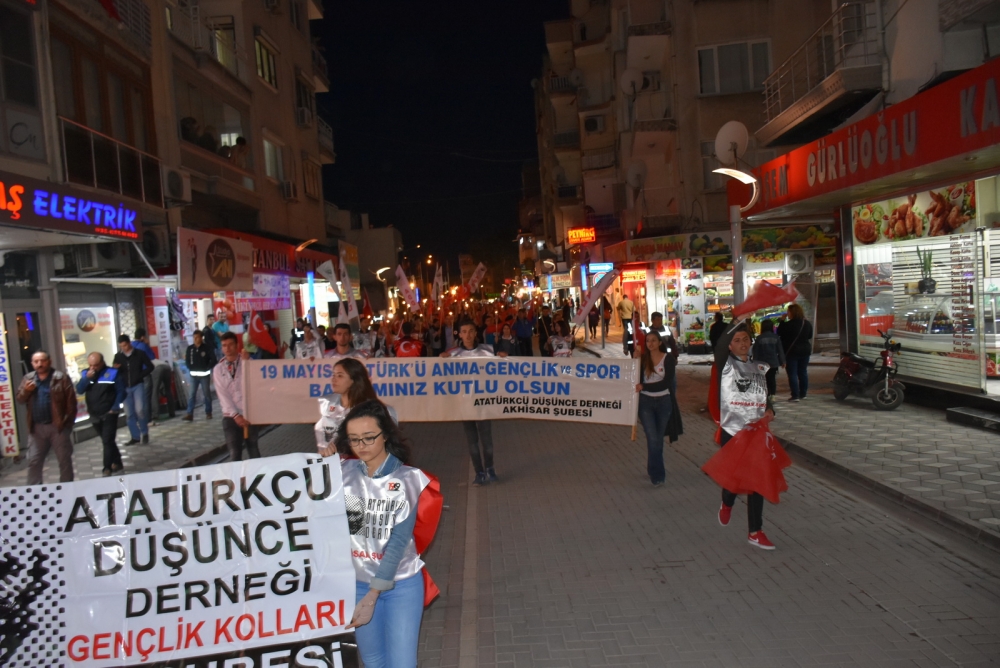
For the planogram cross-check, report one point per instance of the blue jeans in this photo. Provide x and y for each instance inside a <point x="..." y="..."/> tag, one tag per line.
<point x="389" y="640"/>
<point x="135" y="408"/>
<point x="206" y="389"/>
<point x="798" y="375"/>
<point x="654" y="414"/>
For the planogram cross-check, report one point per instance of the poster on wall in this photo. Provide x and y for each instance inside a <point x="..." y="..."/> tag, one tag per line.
<point x="692" y="303"/>
<point x="8" y="422"/>
<point x="210" y="263"/>
<point x="932" y="213"/>
<point x="795" y="237"/>
<point x="270" y="292"/>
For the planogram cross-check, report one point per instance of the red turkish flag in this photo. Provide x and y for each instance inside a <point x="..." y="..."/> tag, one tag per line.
<point x="366" y="310"/>
<point x="259" y="334"/>
<point x="764" y="294"/>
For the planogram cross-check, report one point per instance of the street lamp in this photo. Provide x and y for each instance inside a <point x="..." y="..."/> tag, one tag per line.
<point x="736" y="224"/>
<point x="384" y="282"/>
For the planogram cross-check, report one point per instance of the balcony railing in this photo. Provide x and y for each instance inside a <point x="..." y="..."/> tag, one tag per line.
<point x="653" y="106"/>
<point x="320" y="68"/>
<point x="849" y="38"/>
<point x="214" y="167"/>
<point x="96" y="160"/>
<point x="644" y="15"/>
<point x="560" y="85"/>
<point x="217" y="42"/>
<point x="569" y="139"/>
<point x="598" y="159"/>
<point x="568" y="192"/>
<point x="325" y="135"/>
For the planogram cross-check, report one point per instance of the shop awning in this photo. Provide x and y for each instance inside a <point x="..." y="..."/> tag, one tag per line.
<point x="123" y="282"/>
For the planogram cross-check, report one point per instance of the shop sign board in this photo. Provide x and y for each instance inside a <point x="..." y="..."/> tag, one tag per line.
<point x="8" y="421"/>
<point x="581" y="235"/>
<point x="932" y="213"/>
<point x="633" y="275"/>
<point x="959" y="116"/>
<point x="210" y="263"/>
<point x="270" y="292"/>
<point x="42" y="205"/>
<point x="275" y="257"/>
<point x="454" y="389"/>
<point x="560" y="281"/>
<point x="677" y="246"/>
<point x="236" y="564"/>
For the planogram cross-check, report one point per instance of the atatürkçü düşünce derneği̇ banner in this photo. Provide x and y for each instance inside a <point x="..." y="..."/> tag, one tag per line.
<point x="233" y="565"/>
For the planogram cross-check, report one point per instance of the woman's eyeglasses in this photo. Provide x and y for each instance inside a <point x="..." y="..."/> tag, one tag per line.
<point x="366" y="440"/>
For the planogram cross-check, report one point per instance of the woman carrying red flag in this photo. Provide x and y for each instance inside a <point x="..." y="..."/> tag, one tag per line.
<point x="742" y="400"/>
<point x="386" y="544"/>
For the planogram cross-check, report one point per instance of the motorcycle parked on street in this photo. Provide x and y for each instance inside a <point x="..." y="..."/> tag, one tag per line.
<point x="867" y="378"/>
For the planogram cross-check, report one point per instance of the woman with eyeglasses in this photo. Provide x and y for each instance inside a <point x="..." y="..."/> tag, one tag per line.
<point x="392" y="512"/>
<point x="351" y="387"/>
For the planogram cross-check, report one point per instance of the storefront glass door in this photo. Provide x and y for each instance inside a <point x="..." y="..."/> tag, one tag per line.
<point x="24" y="339"/>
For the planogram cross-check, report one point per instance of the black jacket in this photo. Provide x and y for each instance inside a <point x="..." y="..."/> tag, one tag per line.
<point x="796" y="337"/>
<point x="200" y="359"/>
<point x="104" y="393"/>
<point x="135" y="367"/>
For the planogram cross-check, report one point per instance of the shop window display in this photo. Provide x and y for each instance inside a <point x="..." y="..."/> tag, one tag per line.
<point x="85" y="330"/>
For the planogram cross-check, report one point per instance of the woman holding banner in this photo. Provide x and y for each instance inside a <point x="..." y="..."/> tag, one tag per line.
<point x="352" y="387"/>
<point x="656" y="404"/>
<point x="392" y="585"/>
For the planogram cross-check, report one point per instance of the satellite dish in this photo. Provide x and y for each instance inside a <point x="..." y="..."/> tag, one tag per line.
<point x="576" y="77"/>
<point x="559" y="174"/>
<point x="731" y="134"/>
<point x="630" y="81"/>
<point x="636" y="176"/>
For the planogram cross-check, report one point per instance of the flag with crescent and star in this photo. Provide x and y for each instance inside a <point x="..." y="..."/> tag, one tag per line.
<point x="259" y="334"/>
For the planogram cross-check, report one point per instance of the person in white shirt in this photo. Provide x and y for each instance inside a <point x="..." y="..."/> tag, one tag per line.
<point x="227" y="377"/>
<point x="561" y="344"/>
<point x="310" y="347"/>
<point x="352" y="387"/>
<point x="476" y="430"/>
<point x="656" y="372"/>
<point x="345" y="344"/>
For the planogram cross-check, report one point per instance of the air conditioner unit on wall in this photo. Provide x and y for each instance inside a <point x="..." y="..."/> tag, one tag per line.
<point x="156" y="245"/>
<point x="303" y="116"/>
<point x="103" y="257"/>
<point x="798" y="262"/>
<point x="650" y="81"/>
<point x="176" y="186"/>
<point x="289" y="190"/>
<point x="592" y="124"/>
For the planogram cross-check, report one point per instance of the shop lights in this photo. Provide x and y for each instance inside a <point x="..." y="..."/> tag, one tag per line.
<point x="743" y="177"/>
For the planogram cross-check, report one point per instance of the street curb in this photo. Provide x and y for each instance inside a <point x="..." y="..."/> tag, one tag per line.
<point x="965" y="528"/>
<point x="210" y="456"/>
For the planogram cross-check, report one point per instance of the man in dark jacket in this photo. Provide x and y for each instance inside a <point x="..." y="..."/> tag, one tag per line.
<point x="104" y="389"/>
<point x="135" y="366"/>
<point x="200" y="360"/>
<point x="716" y="331"/>
<point x="545" y="330"/>
<point x="51" y="402"/>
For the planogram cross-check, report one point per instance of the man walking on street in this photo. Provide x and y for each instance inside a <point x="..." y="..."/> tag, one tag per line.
<point x="228" y="380"/>
<point x="476" y="431"/>
<point x="625" y="309"/>
<point x="104" y="389"/>
<point x="200" y="360"/>
<point x="523" y="329"/>
<point x="545" y="330"/>
<point x="344" y="340"/>
<point x="51" y="403"/>
<point x="136" y="366"/>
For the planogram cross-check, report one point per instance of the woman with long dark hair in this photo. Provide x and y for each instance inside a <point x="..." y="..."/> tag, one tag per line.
<point x="656" y="405"/>
<point x="386" y="543"/>
<point x="351" y="387"/>
<point x="507" y="342"/>
<point x="796" y="335"/>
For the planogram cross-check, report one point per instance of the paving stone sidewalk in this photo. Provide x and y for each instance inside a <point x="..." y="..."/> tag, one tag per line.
<point x="171" y="443"/>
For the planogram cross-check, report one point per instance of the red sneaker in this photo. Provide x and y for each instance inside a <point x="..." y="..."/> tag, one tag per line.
<point x="758" y="539"/>
<point x="725" y="512"/>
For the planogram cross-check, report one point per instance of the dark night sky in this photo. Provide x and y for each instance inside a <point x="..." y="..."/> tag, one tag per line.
<point x="412" y="84"/>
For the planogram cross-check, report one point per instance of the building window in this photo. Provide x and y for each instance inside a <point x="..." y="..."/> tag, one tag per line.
<point x="295" y="12"/>
<point x="733" y="68"/>
<point x="313" y="178"/>
<point x="274" y="165"/>
<point x="98" y="91"/>
<point x="265" y="63"/>
<point x="210" y="123"/>
<point x="17" y="59"/>
<point x="305" y="98"/>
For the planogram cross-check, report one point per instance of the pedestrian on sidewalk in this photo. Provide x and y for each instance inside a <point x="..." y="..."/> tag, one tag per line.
<point x="211" y="338"/>
<point x="136" y="366"/>
<point x="716" y="331"/>
<point x="140" y="342"/>
<point x="104" y="390"/>
<point x="656" y="402"/>
<point x="48" y="394"/>
<point x="161" y="386"/>
<point x="476" y="431"/>
<point x="544" y="329"/>
<point x="767" y="348"/>
<point x="228" y="380"/>
<point x="796" y="337"/>
<point x="386" y="546"/>
<point x="625" y="309"/>
<point x="593" y="319"/>
<point x="200" y="360"/>
<point x="351" y="387"/>
<point x="743" y="399"/>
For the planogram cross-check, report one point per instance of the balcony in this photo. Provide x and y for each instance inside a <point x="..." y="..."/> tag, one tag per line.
<point x="210" y="43"/>
<point x="832" y="75"/>
<point x="321" y="75"/>
<point x="560" y="86"/>
<point x="219" y="178"/>
<point x="315" y="10"/>
<point x="98" y="161"/>
<point x="647" y="18"/>
<point x="599" y="159"/>
<point x="326" y="153"/>
<point x="569" y="192"/>
<point x="566" y="141"/>
<point x="657" y="211"/>
<point x="653" y="127"/>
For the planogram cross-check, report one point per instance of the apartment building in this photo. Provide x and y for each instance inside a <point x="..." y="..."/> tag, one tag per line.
<point x="631" y="96"/>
